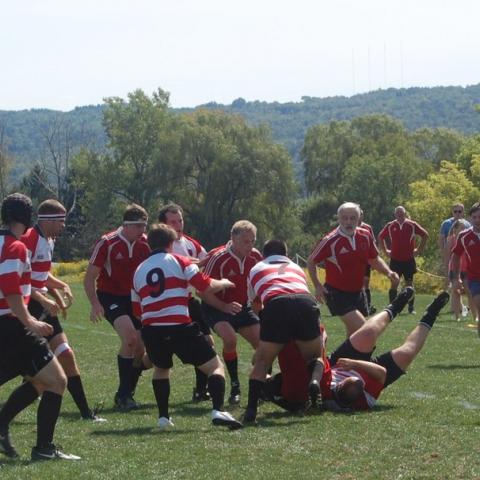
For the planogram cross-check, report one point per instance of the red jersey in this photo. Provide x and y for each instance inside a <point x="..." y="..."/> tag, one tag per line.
<point x="14" y="270"/>
<point x="40" y="252"/>
<point x="160" y="289"/>
<point x="223" y="263"/>
<point x="276" y="275"/>
<point x="468" y="244"/>
<point x="402" y="238"/>
<point x="345" y="258"/>
<point x="367" y="227"/>
<point x="118" y="259"/>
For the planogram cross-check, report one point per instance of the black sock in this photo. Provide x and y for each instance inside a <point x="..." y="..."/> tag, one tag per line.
<point x="232" y="368"/>
<point x="47" y="416"/>
<point x="125" y="376"/>
<point x="216" y="387"/>
<point x="136" y="374"/>
<point x="161" y="389"/>
<point x="410" y="305"/>
<point x="255" y="389"/>
<point x="428" y="320"/>
<point x="19" y="399"/>
<point x="368" y="293"/>
<point x="200" y="380"/>
<point x="392" y="293"/>
<point x="75" y="387"/>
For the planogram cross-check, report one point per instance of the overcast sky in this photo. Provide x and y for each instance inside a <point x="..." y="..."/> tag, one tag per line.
<point x="64" y="53"/>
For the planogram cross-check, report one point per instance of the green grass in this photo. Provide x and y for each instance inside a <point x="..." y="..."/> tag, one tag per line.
<point x="425" y="426"/>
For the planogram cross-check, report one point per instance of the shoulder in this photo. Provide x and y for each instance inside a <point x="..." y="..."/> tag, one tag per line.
<point x="256" y="255"/>
<point x="184" y="262"/>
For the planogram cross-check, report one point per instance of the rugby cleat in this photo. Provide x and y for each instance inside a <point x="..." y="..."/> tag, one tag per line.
<point x="234" y="398"/>
<point x="399" y="302"/>
<point x="314" y="392"/>
<point x="6" y="446"/>
<point x="220" y="418"/>
<point x="200" y="396"/>
<point x="250" y="417"/>
<point x="165" y="423"/>
<point x="436" y="306"/>
<point x="51" y="452"/>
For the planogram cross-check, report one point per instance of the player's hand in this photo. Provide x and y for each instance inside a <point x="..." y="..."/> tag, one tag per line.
<point x="389" y="253"/>
<point x="321" y="293"/>
<point x="67" y="295"/>
<point x="40" y="328"/>
<point x="345" y="363"/>
<point x="457" y="285"/>
<point x="226" y="284"/>
<point x="97" y="313"/>
<point x="194" y="260"/>
<point x="232" y="308"/>
<point x="50" y="307"/>
<point x="394" y="278"/>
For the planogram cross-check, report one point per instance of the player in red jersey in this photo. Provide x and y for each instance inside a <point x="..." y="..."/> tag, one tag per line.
<point x="346" y="252"/>
<point x="161" y="295"/>
<point x="186" y="246"/>
<point x="468" y="244"/>
<point x="230" y="312"/>
<point x="23" y="348"/>
<point x="401" y="248"/>
<point x="290" y="312"/>
<point x="39" y="241"/>
<point x="108" y="283"/>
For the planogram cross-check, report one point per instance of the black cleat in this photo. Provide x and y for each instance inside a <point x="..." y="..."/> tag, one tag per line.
<point x="440" y="301"/>
<point x="6" y="446"/>
<point x="125" y="404"/>
<point x="399" y="302"/>
<point x="200" y="396"/>
<point x="372" y="310"/>
<point x="250" y="417"/>
<point x="314" y="392"/>
<point x="234" y="398"/>
<point x="51" y="452"/>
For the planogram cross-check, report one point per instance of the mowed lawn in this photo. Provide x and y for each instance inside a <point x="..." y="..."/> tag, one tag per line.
<point x="427" y="425"/>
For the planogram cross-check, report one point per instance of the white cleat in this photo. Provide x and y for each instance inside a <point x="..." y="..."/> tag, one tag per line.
<point x="225" y="419"/>
<point x="165" y="423"/>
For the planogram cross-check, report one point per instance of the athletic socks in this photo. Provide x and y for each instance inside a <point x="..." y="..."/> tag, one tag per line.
<point x="368" y="294"/>
<point x="125" y="376"/>
<point x="47" y="416"/>
<point x="216" y="388"/>
<point x="231" y="362"/>
<point x="200" y="381"/>
<point x="161" y="389"/>
<point x="75" y="387"/>
<point x="392" y="293"/>
<point x="399" y="302"/>
<point x="255" y="389"/>
<point x="432" y="311"/>
<point x="19" y="399"/>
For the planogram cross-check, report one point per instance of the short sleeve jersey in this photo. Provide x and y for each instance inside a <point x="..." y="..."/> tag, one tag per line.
<point x="402" y="238"/>
<point x="118" y="259"/>
<point x="274" y="276"/>
<point x="14" y="270"/>
<point x="367" y="227"/>
<point x="188" y="247"/>
<point x="160" y="289"/>
<point x="40" y="252"/>
<point x="468" y="244"/>
<point x="345" y="258"/>
<point x="223" y="263"/>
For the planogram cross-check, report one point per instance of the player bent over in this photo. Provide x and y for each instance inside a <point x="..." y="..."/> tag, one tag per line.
<point x="39" y="241"/>
<point x="160" y="296"/>
<point x="23" y="350"/>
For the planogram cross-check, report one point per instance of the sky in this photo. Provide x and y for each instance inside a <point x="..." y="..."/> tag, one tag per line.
<point x="60" y="54"/>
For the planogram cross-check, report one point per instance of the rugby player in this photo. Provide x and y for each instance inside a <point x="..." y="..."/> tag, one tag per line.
<point x="346" y="252"/>
<point x="366" y="280"/>
<point x="230" y="312"/>
<point x="401" y="249"/>
<point x="186" y="246"/>
<point x="40" y="241"/>
<point x="160" y="295"/>
<point x="290" y="313"/>
<point x="108" y="283"/>
<point x="23" y="348"/>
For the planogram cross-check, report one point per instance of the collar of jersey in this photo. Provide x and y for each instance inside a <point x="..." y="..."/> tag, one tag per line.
<point x="6" y="232"/>
<point x="277" y="259"/>
<point x="158" y="250"/>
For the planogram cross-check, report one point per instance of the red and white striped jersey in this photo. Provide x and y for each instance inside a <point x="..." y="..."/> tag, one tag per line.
<point x="223" y="263"/>
<point x="40" y="252"/>
<point x="276" y="275"/>
<point x="14" y="270"/>
<point x="118" y="259"/>
<point x="160" y="289"/>
<point x="188" y="247"/>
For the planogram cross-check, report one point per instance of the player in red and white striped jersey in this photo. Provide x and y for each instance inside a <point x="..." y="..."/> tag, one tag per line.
<point x="290" y="313"/>
<point x="40" y="241"/>
<point x="23" y="350"/>
<point x="172" y="215"/>
<point x="108" y="283"/>
<point x="231" y="312"/>
<point x="160" y="296"/>
<point x="346" y="252"/>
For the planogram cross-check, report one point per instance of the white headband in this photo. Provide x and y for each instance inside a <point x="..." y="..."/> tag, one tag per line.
<point x="135" y="222"/>
<point x="51" y="216"/>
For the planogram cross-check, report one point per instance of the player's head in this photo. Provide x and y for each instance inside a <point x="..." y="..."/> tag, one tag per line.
<point x="348" y="215"/>
<point x="400" y="213"/>
<point x="348" y="391"/>
<point x="475" y="215"/>
<point x="458" y="211"/>
<point x="135" y="220"/>
<point x="243" y="235"/>
<point x="274" y="247"/>
<point x="172" y="214"/>
<point x="161" y="237"/>
<point x="51" y="215"/>
<point x="17" y="209"/>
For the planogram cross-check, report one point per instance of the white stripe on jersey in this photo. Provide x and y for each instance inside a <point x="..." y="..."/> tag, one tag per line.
<point x="13" y="266"/>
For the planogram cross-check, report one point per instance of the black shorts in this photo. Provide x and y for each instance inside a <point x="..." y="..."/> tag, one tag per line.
<point x="37" y="311"/>
<point x="340" y="303"/>
<point x="117" y="305"/>
<point x="185" y="341"/>
<point x="407" y="268"/>
<point x="244" y="318"/>
<point x="195" y="312"/>
<point x="290" y="317"/>
<point x="21" y="352"/>
<point x="394" y="372"/>
<point x="347" y="350"/>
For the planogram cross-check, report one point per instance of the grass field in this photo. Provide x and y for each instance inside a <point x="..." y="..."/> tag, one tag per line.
<point x="426" y="425"/>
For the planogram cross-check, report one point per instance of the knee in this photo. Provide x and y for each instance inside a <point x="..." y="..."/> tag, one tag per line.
<point x="229" y="343"/>
<point x="130" y="341"/>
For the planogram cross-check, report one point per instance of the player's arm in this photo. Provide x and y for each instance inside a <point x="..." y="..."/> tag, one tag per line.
<point x="18" y="308"/>
<point x="382" y="243"/>
<point x="206" y="292"/>
<point x="373" y="370"/>
<point x="320" y="291"/>
<point x="379" y="264"/>
<point x="424" y="237"/>
<point x="457" y="283"/>
<point x="48" y="304"/>
<point x="54" y="283"/>
<point x="89" y="282"/>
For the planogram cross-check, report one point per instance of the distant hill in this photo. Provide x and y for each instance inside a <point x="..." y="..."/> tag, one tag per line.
<point x="450" y="107"/>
